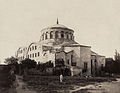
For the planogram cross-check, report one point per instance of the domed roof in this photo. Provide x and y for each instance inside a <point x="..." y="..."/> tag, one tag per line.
<point x="58" y="26"/>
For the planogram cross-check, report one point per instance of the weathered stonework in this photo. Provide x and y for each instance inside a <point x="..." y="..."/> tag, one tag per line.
<point x="57" y="42"/>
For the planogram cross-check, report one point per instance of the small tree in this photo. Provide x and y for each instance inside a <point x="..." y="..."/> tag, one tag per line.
<point x="13" y="62"/>
<point x="25" y="65"/>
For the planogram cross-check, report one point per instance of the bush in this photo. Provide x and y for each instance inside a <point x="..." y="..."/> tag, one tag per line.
<point x="28" y="63"/>
<point x="43" y="66"/>
<point x="61" y="70"/>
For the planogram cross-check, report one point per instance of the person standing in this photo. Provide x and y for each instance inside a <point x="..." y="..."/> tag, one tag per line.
<point x="61" y="78"/>
<point x="71" y="69"/>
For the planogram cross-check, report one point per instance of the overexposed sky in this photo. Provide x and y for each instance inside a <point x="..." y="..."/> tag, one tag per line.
<point x="95" y="22"/>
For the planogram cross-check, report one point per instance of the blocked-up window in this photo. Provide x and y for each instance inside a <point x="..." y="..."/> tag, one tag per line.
<point x="72" y="62"/>
<point x="85" y="65"/>
<point x="32" y="47"/>
<point x="102" y="66"/>
<point x="68" y="61"/>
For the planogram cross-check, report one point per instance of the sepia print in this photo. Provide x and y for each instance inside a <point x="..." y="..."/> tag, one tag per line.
<point x="59" y="46"/>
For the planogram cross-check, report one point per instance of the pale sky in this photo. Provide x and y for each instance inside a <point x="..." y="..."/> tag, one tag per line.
<point x="95" y="23"/>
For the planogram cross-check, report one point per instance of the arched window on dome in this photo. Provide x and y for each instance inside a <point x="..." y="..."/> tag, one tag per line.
<point x="67" y="36"/>
<point x="51" y="34"/>
<point x="62" y="34"/>
<point x="71" y="36"/>
<point x="42" y="36"/>
<point x="56" y="34"/>
<point x="46" y="37"/>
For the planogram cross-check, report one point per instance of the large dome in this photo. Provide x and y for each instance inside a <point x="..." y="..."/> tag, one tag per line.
<point x="58" y="25"/>
<point x="56" y="33"/>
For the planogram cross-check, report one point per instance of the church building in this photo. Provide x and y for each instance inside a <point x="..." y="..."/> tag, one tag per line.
<point x="57" y="42"/>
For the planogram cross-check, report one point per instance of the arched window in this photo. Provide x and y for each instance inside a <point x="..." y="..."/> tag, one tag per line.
<point x="62" y="34"/>
<point x="30" y="48"/>
<point x="46" y="36"/>
<point x="35" y="47"/>
<point x="42" y="36"/>
<point x="38" y="54"/>
<point x="51" y="35"/>
<point x="67" y="36"/>
<point x="71" y="36"/>
<point x="33" y="55"/>
<point x="56" y="34"/>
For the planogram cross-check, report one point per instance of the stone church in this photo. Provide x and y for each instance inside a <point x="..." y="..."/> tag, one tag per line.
<point x="57" y="42"/>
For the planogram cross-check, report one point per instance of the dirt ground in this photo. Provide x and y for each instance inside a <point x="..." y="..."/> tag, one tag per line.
<point x="51" y="84"/>
<point x="48" y="84"/>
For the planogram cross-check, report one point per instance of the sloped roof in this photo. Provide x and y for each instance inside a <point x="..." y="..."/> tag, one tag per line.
<point x="94" y="53"/>
<point x="72" y="44"/>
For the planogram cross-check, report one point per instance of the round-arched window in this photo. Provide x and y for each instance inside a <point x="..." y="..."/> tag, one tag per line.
<point x="42" y="36"/>
<point x="67" y="36"/>
<point x="71" y="36"/>
<point x="62" y="34"/>
<point x="51" y="34"/>
<point x="56" y="34"/>
<point x="46" y="37"/>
